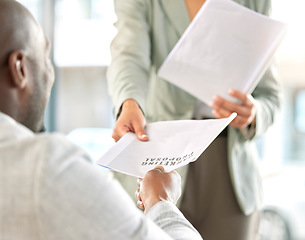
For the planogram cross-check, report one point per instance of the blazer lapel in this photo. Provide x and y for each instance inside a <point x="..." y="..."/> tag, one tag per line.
<point x="177" y="14"/>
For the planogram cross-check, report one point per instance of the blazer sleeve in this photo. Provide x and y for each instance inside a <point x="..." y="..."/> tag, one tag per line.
<point x="267" y="94"/>
<point x="77" y="200"/>
<point x="167" y="216"/>
<point x="268" y="98"/>
<point x="128" y="72"/>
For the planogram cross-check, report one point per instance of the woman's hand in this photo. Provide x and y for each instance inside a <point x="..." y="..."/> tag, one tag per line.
<point x="245" y="110"/>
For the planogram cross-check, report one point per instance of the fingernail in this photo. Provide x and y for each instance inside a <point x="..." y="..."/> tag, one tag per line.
<point x="144" y="136"/>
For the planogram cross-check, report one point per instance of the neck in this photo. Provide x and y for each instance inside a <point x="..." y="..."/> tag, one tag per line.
<point x="193" y="7"/>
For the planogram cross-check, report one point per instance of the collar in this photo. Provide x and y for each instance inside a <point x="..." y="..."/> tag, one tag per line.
<point x="177" y="14"/>
<point x="12" y="130"/>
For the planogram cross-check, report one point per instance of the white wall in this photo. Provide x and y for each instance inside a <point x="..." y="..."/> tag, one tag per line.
<point x="82" y="99"/>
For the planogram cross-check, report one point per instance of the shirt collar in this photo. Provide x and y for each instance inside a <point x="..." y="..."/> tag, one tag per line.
<point x="12" y="130"/>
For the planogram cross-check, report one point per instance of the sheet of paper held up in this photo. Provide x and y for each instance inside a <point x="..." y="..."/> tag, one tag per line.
<point x="225" y="46"/>
<point x="171" y="144"/>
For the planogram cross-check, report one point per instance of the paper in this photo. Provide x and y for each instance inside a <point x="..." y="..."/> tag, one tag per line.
<point x="226" y="46"/>
<point x="171" y="144"/>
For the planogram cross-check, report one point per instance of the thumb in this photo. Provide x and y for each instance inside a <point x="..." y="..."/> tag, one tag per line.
<point x="140" y="132"/>
<point x="159" y="168"/>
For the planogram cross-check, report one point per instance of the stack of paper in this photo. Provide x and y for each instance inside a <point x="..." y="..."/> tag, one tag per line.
<point x="172" y="144"/>
<point x="225" y="46"/>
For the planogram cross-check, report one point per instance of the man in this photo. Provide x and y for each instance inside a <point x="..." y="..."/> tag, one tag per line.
<point x="48" y="187"/>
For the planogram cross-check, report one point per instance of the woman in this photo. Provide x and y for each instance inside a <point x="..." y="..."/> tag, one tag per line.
<point x="222" y="194"/>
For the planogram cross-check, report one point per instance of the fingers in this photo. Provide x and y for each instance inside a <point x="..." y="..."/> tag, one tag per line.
<point x="245" y="110"/>
<point x="138" y="196"/>
<point x="140" y="205"/>
<point x="240" y="96"/>
<point x="225" y="107"/>
<point x="139" y="200"/>
<point x="156" y="186"/>
<point x="159" y="168"/>
<point x="119" y="131"/>
<point x="155" y="173"/>
<point x="238" y="122"/>
<point x="137" y="193"/>
<point x="140" y="132"/>
<point x="131" y="119"/>
<point x="139" y="181"/>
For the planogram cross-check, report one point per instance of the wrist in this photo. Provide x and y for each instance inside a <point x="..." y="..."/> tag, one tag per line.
<point x="130" y="103"/>
<point x="149" y="203"/>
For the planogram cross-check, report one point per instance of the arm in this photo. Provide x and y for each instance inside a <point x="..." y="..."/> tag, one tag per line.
<point x="267" y="94"/>
<point x="157" y="195"/>
<point x="268" y="99"/>
<point x="128" y="72"/>
<point x="80" y="201"/>
<point x="256" y="111"/>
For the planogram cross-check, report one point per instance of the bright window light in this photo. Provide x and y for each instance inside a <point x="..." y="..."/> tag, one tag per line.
<point x="83" y="32"/>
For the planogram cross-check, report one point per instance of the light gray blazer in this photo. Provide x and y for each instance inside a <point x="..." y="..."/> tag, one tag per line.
<point x="50" y="190"/>
<point x="147" y="31"/>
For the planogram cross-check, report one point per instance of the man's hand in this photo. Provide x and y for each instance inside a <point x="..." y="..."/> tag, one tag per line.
<point x="245" y="110"/>
<point x="158" y="186"/>
<point x="131" y="119"/>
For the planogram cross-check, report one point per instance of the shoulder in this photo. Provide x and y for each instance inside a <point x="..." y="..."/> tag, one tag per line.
<point x="261" y="6"/>
<point x="55" y="141"/>
<point x="120" y="4"/>
<point x="58" y="150"/>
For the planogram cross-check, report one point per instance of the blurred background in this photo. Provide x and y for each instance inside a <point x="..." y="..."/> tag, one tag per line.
<point x="81" y="31"/>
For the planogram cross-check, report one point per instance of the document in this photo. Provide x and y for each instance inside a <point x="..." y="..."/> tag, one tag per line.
<point x="171" y="144"/>
<point x="226" y="46"/>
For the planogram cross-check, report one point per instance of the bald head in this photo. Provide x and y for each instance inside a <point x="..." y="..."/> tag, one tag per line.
<point x="18" y="28"/>
<point x="26" y="74"/>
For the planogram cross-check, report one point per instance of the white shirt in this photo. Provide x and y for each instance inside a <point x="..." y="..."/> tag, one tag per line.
<point x="49" y="189"/>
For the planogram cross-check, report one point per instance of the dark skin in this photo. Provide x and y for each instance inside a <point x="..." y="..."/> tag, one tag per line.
<point x="154" y="181"/>
<point x="26" y="73"/>
<point x="26" y="79"/>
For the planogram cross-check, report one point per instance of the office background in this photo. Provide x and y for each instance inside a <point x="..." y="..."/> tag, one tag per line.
<point x="81" y="31"/>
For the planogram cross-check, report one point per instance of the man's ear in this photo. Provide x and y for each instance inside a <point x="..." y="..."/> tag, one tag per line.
<point x="18" y="69"/>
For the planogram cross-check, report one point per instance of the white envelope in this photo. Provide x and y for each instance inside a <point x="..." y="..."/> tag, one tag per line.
<point x="171" y="144"/>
